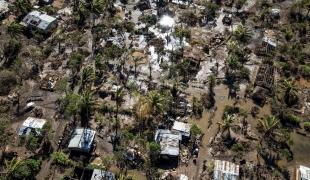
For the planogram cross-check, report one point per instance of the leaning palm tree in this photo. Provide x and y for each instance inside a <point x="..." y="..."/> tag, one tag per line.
<point x="242" y="33"/>
<point x="14" y="29"/>
<point x="291" y="91"/>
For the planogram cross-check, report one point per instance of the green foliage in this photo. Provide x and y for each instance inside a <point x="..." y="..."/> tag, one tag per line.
<point x="195" y="130"/>
<point x="23" y="169"/>
<point x="75" y="61"/>
<point x="304" y="70"/>
<point x="154" y="152"/>
<point x="32" y="142"/>
<point x="61" y="159"/>
<point x="237" y="147"/>
<point x="61" y="85"/>
<point x="100" y="63"/>
<point x="197" y="107"/>
<point x="307" y="126"/>
<point x="291" y="118"/>
<point x="150" y="20"/>
<point x="210" y="10"/>
<point x="182" y="33"/>
<point x="7" y="81"/>
<point x="242" y="33"/>
<point x="240" y="3"/>
<point x="88" y="76"/>
<point x="70" y="104"/>
<point x="11" y="51"/>
<point x="113" y="52"/>
<point x="4" y="124"/>
<point x="23" y="7"/>
<point x="107" y="161"/>
<point x="14" y="29"/>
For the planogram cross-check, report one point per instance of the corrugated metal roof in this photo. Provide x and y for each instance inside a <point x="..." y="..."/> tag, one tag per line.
<point x="82" y="139"/>
<point x="99" y="174"/>
<point x="304" y="173"/>
<point x="38" y="19"/>
<point x="31" y="123"/>
<point x="169" y="142"/>
<point x="183" y="128"/>
<point x="224" y="170"/>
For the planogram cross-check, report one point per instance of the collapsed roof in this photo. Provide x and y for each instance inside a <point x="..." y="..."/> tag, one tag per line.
<point x="30" y="124"/>
<point x="39" y="20"/>
<point x="169" y="142"/>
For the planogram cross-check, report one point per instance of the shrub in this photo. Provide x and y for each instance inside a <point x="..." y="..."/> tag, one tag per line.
<point x="7" y="82"/>
<point x="304" y="70"/>
<point x="61" y="159"/>
<point x="150" y="20"/>
<point x="195" y="130"/>
<point x="25" y="169"/>
<point x="61" y="85"/>
<point x="75" y="61"/>
<point x="237" y="147"/>
<point x="291" y="119"/>
<point x="307" y="126"/>
<point x="32" y="143"/>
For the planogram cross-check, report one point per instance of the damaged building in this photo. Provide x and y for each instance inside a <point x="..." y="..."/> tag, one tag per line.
<point x="303" y="173"/>
<point x="182" y="128"/>
<point x="82" y="140"/>
<point x="224" y="170"/>
<point x="81" y="173"/>
<point x="31" y="125"/>
<point x="39" y="21"/>
<point x="169" y="143"/>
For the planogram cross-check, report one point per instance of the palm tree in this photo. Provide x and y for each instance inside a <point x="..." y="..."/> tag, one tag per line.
<point x="291" y="91"/>
<point x="86" y="105"/>
<point x="136" y="60"/>
<point x="233" y="62"/>
<point x="156" y="102"/>
<point x="14" y="29"/>
<point x="226" y="125"/>
<point x="242" y="33"/>
<point x="12" y="165"/>
<point x="88" y="76"/>
<point x="211" y="93"/>
<point x="119" y="98"/>
<point x="22" y="7"/>
<point x="267" y="125"/>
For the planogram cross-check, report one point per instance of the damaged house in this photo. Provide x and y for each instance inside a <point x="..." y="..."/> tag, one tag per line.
<point x="303" y="173"/>
<point x="182" y="128"/>
<point x="169" y="143"/>
<point x="81" y="173"/>
<point x="39" y="21"/>
<point x="269" y="40"/>
<point x="82" y="140"/>
<point x="224" y="170"/>
<point x="4" y="8"/>
<point x="31" y="125"/>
